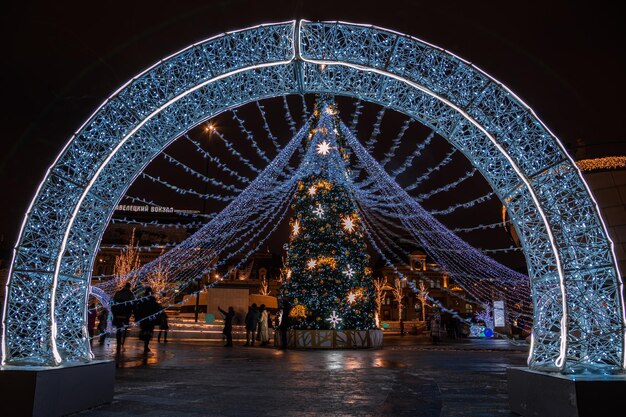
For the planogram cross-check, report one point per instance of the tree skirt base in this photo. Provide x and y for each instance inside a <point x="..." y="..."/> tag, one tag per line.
<point x="334" y="339"/>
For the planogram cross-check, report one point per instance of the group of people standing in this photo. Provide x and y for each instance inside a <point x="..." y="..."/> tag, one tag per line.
<point x="257" y="325"/>
<point x="258" y="322"/>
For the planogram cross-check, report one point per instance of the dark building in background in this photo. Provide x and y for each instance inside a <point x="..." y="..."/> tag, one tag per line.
<point x="158" y="229"/>
<point x="439" y="286"/>
<point x="606" y="178"/>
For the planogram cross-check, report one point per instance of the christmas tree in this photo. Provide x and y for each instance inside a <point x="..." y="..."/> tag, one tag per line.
<point x="327" y="274"/>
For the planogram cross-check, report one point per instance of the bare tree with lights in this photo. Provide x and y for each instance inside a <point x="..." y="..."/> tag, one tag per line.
<point x="158" y="280"/>
<point x="398" y="294"/>
<point x="125" y="263"/>
<point x="264" y="289"/>
<point x="422" y="295"/>
<point x="379" y="291"/>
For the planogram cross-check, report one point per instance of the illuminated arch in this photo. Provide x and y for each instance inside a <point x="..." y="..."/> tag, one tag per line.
<point x="577" y="291"/>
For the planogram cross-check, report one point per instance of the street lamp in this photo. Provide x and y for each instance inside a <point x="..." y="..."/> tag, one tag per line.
<point x="209" y="128"/>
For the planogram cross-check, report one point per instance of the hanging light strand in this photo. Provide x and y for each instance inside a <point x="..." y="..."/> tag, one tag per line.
<point x="288" y="116"/>
<point x="249" y="136"/>
<point x="222" y="166"/>
<point x="358" y="110"/>
<point x="395" y="143"/>
<point x="426" y="175"/>
<point x="198" y="175"/>
<point x="459" y="257"/>
<point x="416" y="153"/>
<point x="447" y="187"/>
<point x="371" y="142"/>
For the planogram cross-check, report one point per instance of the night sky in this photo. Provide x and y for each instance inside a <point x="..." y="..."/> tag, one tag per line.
<point x="63" y="59"/>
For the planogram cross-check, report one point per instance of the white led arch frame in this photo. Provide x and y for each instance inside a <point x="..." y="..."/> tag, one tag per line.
<point x="403" y="72"/>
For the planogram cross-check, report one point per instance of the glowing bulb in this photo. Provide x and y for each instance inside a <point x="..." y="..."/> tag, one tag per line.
<point x="210" y="128"/>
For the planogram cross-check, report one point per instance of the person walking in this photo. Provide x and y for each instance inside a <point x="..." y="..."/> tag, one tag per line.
<point x="148" y="314"/>
<point x="435" y="327"/>
<point x="92" y="314"/>
<point x="228" y="324"/>
<point x="103" y="317"/>
<point x="263" y="332"/>
<point x="122" y="310"/>
<point x="283" y="326"/>
<point x="251" y="321"/>
<point x="163" y="327"/>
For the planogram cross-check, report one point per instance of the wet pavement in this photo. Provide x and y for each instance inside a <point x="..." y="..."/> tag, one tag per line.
<point x="407" y="377"/>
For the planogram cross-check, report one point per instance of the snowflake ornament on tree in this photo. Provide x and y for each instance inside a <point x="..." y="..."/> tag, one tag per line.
<point x="334" y="319"/>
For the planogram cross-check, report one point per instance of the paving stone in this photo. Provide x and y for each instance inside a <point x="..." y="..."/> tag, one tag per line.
<point x="407" y="377"/>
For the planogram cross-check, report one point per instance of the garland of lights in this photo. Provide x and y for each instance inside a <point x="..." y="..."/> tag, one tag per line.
<point x="382" y="203"/>
<point x="411" y="284"/>
<point x="465" y="205"/>
<point x="148" y="248"/>
<point x="371" y="142"/>
<point x="230" y="235"/>
<point x="229" y="145"/>
<point x="395" y="143"/>
<point x="415" y="219"/>
<point x="255" y="208"/>
<point x="223" y="167"/>
<point x="249" y="136"/>
<point x="467" y="281"/>
<point x="188" y="262"/>
<point x="416" y="153"/>
<point x="288" y="116"/>
<point x="156" y="223"/>
<point x="379" y="219"/>
<point x="490" y="226"/>
<point x="198" y="175"/>
<point x="266" y="126"/>
<point x="605" y="163"/>
<point x="447" y="187"/>
<point x="174" y="290"/>
<point x="358" y="110"/>
<point x="426" y="175"/>
<point x="189" y="191"/>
